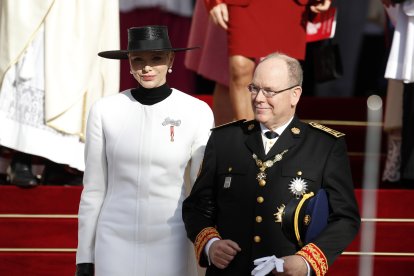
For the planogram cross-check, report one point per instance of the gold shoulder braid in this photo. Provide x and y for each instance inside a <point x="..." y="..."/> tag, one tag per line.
<point x="229" y="124"/>
<point x="335" y="133"/>
<point x="263" y="165"/>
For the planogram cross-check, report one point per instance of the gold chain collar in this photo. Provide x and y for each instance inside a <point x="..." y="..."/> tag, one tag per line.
<point x="263" y="165"/>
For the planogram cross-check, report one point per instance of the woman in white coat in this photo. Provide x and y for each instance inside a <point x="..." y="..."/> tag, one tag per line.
<point x="141" y="145"/>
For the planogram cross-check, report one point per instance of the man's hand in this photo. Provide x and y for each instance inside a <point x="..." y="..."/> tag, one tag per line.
<point x="222" y="252"/>
<point x="320" y="6"/>
<point x="294" y="265"/>
<point x="220" y="15"/>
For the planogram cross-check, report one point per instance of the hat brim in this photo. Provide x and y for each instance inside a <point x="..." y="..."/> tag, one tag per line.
<point x="123" y="54"/>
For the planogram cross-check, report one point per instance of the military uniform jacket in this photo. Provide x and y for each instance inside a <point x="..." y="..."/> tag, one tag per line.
<point x="227" y="200"/>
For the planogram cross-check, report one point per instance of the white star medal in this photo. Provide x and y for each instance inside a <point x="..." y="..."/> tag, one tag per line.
<point x="298" y="187"/>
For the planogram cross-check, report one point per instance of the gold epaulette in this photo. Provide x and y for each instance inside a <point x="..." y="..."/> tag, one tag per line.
<point x="331" y="131"/>
<point x="228" y="124"/>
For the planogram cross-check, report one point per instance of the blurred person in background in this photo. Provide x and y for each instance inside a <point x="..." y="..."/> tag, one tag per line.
<point x="256" y="29"/>
<point x="211" y="61"/>
<point x="400" y="69"/>
<point x="49" y="78"/>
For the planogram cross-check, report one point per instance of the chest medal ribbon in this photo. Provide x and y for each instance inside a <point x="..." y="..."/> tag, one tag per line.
<point x="172" y="123"/>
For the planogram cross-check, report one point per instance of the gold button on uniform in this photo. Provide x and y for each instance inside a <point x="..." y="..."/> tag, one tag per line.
<point x="259" y="219"/>
<point x="262" y="182"/>
<point x="257" y="238"/>
<point x="299" y="172"/>
<point x="260" y="199"/>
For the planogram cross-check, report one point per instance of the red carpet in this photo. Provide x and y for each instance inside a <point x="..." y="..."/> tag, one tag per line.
<point x="38" y="232"/>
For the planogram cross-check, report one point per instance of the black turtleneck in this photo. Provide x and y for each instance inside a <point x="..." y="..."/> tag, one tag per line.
<point x="150" y="96"/>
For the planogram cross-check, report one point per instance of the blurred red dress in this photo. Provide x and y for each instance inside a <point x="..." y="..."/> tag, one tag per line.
<point x="260" y="27"/>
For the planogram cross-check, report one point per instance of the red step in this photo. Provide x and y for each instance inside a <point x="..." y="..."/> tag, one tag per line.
<point x="382" y="266"/>
<point x="37" y="264"/>
<point x="38" y="233"/>
<point x="40" y="200"/>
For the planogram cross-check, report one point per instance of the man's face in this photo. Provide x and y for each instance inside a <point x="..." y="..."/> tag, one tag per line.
<point x="275" y="111"/>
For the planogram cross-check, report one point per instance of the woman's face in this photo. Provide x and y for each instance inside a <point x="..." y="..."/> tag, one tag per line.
<point x="150" y="67"/>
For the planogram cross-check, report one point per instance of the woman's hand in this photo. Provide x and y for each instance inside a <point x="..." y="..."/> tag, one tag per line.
<point x="220" y="15"/>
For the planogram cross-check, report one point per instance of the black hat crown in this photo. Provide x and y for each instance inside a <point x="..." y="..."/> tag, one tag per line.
<point x="146" y="38"/>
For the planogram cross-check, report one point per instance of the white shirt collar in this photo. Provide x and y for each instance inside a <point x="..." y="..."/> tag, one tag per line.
<point x="278" y="130"/>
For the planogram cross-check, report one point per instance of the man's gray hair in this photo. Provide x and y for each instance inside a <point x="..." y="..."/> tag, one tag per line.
<point x="294" y="68"/>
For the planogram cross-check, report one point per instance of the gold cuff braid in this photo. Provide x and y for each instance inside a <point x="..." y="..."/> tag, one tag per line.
<point x="315" y="257"/>
<point x="202" y="238"/>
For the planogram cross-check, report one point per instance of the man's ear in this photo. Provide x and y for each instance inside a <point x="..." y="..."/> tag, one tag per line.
<point x="295" y="96"/>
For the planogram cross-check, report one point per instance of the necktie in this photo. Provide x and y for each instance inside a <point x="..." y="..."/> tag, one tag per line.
<point x="271" y="134"/>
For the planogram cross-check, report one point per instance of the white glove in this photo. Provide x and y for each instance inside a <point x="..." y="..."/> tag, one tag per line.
<point x="266" y="264"/>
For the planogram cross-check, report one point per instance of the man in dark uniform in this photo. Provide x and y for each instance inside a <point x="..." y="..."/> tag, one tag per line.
<point x="248" y="175"/>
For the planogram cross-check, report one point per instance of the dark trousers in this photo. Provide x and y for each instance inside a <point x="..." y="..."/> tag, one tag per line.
<point x="407" y="142"/>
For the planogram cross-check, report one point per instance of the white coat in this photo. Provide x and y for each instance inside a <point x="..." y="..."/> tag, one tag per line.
<point x="130" y="212"/>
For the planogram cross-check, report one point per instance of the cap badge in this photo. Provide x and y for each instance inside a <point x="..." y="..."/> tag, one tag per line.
<point x="295" y="130"/>
<point x="298" y="187"/>
<point x="306" y="220"/>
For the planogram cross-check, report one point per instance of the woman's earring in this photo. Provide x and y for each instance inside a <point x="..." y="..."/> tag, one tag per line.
<point x="169" y="70"/>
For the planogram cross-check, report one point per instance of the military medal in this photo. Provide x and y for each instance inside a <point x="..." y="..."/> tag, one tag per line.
<point x="172" y="133"/>
<point x="279" y="213"/>
<point x="263" y="165"/>
<point x="298" y="187"/>
<point x="172" y="123"/>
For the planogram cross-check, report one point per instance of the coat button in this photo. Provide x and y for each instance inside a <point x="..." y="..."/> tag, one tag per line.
<point x="262" y="182"/>
<point x="260" y="199"/>
<point x="259" y="219"/>
<point x="257" y="239"/>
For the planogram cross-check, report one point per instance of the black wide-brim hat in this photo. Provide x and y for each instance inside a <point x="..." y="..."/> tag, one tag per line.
<point x="146" y="38"/>
<point x="304" y="218"/>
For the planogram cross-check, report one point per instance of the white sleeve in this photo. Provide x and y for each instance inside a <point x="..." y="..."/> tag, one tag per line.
<point x="94" y="186"/>
<point x="205" y="123"/>
<point x="207" y="248"/>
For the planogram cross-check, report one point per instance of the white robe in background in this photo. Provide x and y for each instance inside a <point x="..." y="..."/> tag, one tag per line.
<point x="130" y="219"/>
<point x="48" y="57"/>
